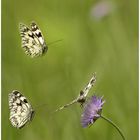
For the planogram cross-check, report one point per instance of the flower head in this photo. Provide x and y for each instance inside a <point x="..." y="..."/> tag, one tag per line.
<point x="92" y="111"/>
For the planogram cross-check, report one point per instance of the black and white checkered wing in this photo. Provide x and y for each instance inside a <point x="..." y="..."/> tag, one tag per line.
<point x="37" y="32"/>
<point x="89" y="85"/>
<point x="32" y="40"/>
<point x="83" y="93"/>
<point x="21" y="111"/>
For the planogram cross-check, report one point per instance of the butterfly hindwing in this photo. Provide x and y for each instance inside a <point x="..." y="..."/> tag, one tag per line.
<point x="21" y="111"/>
<point x="32" y="40"/>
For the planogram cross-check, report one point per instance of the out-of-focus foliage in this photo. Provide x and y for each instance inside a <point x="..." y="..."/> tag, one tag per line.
<point x="96" y="37"/>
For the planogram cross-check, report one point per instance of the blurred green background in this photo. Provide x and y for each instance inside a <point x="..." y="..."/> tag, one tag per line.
<point x="106" y="43"/>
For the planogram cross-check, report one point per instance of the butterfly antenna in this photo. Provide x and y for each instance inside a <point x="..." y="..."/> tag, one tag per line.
<point x="41" y="106"/>
<point x="65" y="106"/>
<point x="54" y="42"/>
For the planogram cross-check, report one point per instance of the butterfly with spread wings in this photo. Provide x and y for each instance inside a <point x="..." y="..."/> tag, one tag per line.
<point x="21" y="110"/>
<point x="33" y="41"/>
<point x="82" y="95"/>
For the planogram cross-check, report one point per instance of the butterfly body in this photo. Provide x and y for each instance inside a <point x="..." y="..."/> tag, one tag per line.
<point x="33" y="41"/>
<point x="21" y="111"/>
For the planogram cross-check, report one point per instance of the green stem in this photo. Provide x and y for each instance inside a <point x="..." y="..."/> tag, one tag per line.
<point x="118" y="129"/>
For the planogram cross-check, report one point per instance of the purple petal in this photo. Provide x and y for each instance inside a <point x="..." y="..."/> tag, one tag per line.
<point x="92" y="111"/>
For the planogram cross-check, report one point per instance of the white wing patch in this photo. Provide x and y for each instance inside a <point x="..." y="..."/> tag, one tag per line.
<point x="21" y="111"/>
<point x="83" y="94"/>
<point x="33" y="41"/>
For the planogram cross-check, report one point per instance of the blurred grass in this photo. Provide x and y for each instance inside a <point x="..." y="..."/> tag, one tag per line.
<point x="108" y="46"/>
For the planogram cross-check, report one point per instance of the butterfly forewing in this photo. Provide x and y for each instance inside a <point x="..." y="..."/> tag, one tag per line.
<point x="32" y="40"/>
<point x="21" y="111"/>
<point x="37" y="32"/>
<point x="83" y="93"/>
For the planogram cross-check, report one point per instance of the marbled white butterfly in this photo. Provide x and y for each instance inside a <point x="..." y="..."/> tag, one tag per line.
<point x="21" y="111"/>
<point x="82" y="95"/>
<point x="33" y="41"/>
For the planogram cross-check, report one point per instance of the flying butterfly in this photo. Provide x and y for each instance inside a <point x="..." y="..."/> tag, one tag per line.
<point x="82" y="95"/>
<point x="33" y="41"/>
<point x="21" y="110"/>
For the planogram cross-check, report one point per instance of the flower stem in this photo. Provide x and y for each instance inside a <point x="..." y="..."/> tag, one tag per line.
<point x="118" y="129"/>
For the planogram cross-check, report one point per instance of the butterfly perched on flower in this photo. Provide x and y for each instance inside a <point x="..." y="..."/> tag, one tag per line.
<point x="82" y="95"/>
<point x="21" y="110"/>
<point x="33" y="41"/>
